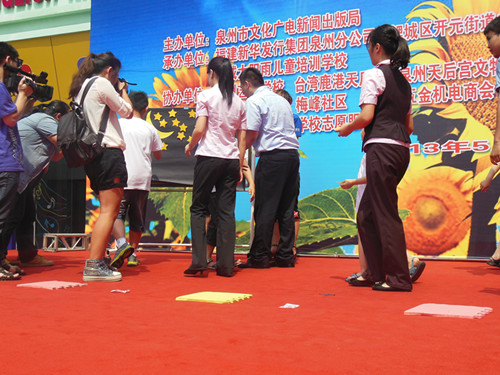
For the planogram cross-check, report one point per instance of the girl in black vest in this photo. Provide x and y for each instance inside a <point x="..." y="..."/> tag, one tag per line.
<point x="385" y="103"/>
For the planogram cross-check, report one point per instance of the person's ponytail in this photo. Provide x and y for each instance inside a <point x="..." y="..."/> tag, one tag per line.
<point x="85" y="71"/>
<point x="393" y="44"/>
<point x="221" y="66"/>
<point x="401" y="57"/>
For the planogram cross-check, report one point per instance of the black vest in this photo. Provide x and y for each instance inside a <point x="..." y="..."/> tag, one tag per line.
<point x="392" y="108"/>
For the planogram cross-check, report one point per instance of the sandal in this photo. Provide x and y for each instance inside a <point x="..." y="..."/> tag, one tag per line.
<point x="8" y="276"/>
<point x="493" y="262"/>
<point x="211" y="264"/>
<point x="12" y="268"/>
<point x="353" y="276"/>
<point x="237" y="262"/>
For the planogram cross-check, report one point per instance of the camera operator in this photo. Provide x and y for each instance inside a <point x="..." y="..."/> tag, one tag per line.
<point x="11" y="153"/>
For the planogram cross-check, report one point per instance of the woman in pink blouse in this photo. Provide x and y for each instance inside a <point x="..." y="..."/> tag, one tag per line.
<point x="220" y="134"/>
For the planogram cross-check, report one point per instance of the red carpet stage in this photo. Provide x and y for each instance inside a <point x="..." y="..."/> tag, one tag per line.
<point x="337" y="329"/>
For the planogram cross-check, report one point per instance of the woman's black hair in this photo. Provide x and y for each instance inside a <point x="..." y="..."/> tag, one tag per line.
<point x="392" y="43"/>
<point x="92" y="65"/>
<point x="51" y="109"/>
<point x="494" y="26"/>
<point x="222" y="67"/>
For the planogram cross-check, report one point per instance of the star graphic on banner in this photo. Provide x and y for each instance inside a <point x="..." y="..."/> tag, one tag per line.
<point x="183" y="128"/>
<point x="189" y="139"/>
<point x="192" y="113"/>
<point x="163" y="123"/>
<point x="175" y="122"/>
<point x="158" y="116"/>
<point x="164" y="147"/>
<point x="172" y="113"/>
<point x="181" y="136"/>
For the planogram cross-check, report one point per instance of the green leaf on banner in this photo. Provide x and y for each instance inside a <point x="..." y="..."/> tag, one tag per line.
<point x="174" y="206"/>
<point x="327" y="215"/>
<point x="328" y="218"/>
<point x="242" y="232"/>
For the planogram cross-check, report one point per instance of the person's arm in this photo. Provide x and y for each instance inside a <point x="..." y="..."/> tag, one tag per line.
<point x="119" y="103"/>
<point x="123" y="92"/>
<point x="157" y="155"/>
<point x="23" y="103"/>
<point x="409" y="123"/>
<point x="350" y="182"/>
<point x="242" y="147"/>
<point x="361" y="121"/>
<point x="198" y="132"/>
<point x="485" y="184"/>
<point x="156" y="142"/>
<point x="495" y="151"/>
<point x="249" y="177"/>
<point x="251" y="136"/>
<point x="58" y="154"/>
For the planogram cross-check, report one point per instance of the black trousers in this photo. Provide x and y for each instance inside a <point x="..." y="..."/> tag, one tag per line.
<point x="21" y="219"/>
<point x="379" y="225"/>
<point x="224" y="175"/>
<point x="8" y="192"/>
<point x="276" y="190"/>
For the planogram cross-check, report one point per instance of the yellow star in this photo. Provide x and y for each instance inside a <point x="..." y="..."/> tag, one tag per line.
<point x="172" y="113"/>
<point x="158" y="116"/>
<point x="180" y="136"/>
<point x="192" y="113"/>
<point x="163" y="123"/>
<point x="164" y="147"/>
<point x="189" y="139"/>
<point x="175" y="122"/>
<point x="183" y="128"/>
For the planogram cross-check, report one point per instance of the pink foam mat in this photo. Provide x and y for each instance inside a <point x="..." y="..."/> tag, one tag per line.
<point x="52" y="285"/>
<point x="454" y="311"/>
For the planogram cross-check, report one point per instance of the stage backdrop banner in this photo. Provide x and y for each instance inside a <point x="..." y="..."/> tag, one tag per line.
<point x="316" y="50"/>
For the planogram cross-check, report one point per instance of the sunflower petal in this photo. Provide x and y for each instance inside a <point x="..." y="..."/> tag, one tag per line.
<point x="431" y="46"/>
<point x="430" y="10"/>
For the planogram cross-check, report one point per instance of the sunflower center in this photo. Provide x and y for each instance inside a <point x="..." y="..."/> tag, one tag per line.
<point x="430" y="212"/>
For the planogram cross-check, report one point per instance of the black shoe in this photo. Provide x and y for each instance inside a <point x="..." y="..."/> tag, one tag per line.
<point x="253" y="264"/>
<point x="360" y="282"/>
<point x="194" y="272"/>
<point x="225" y="274"/>
<point x="384" y="287"/>
<point x="283" y="264"/>
<point x="493" y="262"/>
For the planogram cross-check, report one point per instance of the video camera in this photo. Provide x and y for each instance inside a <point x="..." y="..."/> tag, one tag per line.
<point x="41" y="91"/>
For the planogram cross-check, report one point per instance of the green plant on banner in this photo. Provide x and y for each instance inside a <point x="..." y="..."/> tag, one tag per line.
<point x="328" y="221"/>
<point x="175" y="207"/>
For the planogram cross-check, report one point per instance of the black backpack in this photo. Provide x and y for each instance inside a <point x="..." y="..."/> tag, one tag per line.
<point x="76" y="139"/>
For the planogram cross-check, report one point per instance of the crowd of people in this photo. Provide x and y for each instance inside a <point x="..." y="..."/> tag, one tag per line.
<point x="226" y="127"/>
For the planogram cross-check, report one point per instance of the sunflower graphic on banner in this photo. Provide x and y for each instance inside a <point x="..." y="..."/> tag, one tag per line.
<point x="175" y="126"/>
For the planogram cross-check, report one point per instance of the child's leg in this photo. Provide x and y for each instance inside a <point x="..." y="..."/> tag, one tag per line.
<point x="362" y="260"/>
<point x="276" y="238"/>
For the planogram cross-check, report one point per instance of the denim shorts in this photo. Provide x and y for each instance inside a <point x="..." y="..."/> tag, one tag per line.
<point x="107" y="171"/>
<point x="134" y="203"/>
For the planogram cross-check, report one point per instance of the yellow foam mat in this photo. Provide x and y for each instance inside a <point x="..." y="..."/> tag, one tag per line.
<point x="214" y="297"/>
